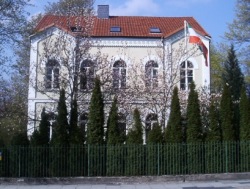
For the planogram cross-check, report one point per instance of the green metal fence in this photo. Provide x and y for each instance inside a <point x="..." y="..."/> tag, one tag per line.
<point x="125" y="160"/>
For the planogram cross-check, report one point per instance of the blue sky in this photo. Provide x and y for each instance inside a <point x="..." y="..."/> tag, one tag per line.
<point x="213" y="15"/>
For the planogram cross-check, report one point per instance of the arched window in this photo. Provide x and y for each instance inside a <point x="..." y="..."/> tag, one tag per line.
<point x="83" y="122"/>
<point x="87" y="75"/>
<point x="151" y="73"/>
<point x="151" y="119"/>
<point x="186" y="75"/>
<point x="119" y="74"/>
<point x="52" y="75"/>
<point x="122" y="125"/>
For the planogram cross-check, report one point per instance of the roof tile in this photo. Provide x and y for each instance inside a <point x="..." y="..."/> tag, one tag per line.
<point x="131" y="26"/>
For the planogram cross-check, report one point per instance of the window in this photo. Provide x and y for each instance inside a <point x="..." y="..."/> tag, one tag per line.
<point x="51" y="117"/>
<point x="115" y="29"/>
<point x="52" y="121"/>
<point x="151" y="119"/>
<point x="87" y="75"/>
<point x="119" y="74"/>
<point x="76" y="29"/>
<point x="186" y="75"/>
<point x="151" y="73"/>
<point x="122" y="125"/>
<point x="52" y="75"/>
<point x="83" y="122"/>
<point x="155" y="30"/>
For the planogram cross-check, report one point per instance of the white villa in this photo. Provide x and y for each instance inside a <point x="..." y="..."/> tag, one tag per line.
<point x="138" y="58"/>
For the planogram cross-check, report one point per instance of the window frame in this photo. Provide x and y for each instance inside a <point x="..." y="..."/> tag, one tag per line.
<point x="151" y="79"/>
<point x="155" y="30"/>
<point x="122" y="123"/>
<point x="52" y="75"/>
<point x="119" y="78"/>
<point x="52" y="120"/>
<point x="186" y="74"/>
<point x="115" y="29"/>
<point x="83" y="121"/>
<point x="87" y="65"/>
<point x="150" y="120"/>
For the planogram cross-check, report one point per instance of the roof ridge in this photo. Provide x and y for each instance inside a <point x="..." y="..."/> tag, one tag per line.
<point x="145" y="16"/>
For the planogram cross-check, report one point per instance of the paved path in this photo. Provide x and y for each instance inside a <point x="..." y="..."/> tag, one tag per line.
<point x="223" y="184"/>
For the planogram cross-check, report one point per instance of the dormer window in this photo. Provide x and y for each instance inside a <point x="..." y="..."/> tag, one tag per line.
<point x="75" y="29"/>
<point x="115" y="29"/>
<point x="155" y="30"/>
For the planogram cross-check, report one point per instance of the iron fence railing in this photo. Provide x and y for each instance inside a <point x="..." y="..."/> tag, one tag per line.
<point x="125" y="160"/>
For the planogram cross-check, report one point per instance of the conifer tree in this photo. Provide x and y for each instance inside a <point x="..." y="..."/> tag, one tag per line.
<point x="213" y="147"/>
<point x="155" y="135"/>
<point x="174" y="135"/>
<point x="244" y="129"/>
<point x="75" y="134"/>
<point x="95" y="130"/>
<point x="226" y="112"/>
<point x="76" y="140"/>
<point x="35" y="138"/>
<point x="115" y="155"/>
<point x="60" y="139"/>
<point x="228" y="129"/>
<point x="244" y="116"/>
<point x="40" y="137"/>
<point x="135" y="133"/>
<point x="194" y="132"/>
<point x="113" y="131"/>
<point x="234" y="78"/>
<point x="173" y="132"/>
<point x="153" y="147"/>
<point x="194" y="129"/>
<point x="232" y="75"/>
<point x="44" y="128"/>
<point x="40" y="141"/>
<point x="214" y="131"/>
<point x="60" y="135"/>
<point x="135" y="149"/>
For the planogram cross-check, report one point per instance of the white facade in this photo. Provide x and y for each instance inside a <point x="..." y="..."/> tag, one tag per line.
<point x="168" y="53"/>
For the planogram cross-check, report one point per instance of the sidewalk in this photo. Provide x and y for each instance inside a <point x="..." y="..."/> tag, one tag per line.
<point x="239" y="184"/>
<point x="199" y="181"/>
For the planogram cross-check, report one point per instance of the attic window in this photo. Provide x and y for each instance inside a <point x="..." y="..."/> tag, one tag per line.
<point x="155" y="30"/>
<point x="115" y="29"/>
<point x="75" y="29"/>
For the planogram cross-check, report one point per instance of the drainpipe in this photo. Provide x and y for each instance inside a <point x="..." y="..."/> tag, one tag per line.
<point x="164" y="81"/>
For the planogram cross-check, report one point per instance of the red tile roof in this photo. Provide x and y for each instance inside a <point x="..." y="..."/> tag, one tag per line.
<point x="131" y="26"/>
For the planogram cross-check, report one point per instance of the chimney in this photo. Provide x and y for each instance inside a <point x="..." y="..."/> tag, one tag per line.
<point x="103" y="11"/>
